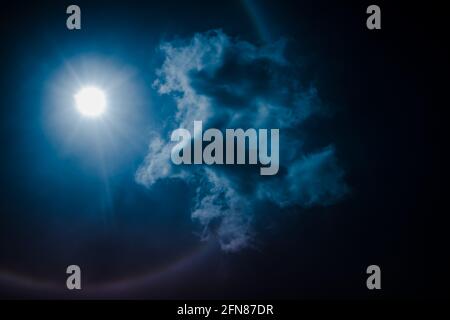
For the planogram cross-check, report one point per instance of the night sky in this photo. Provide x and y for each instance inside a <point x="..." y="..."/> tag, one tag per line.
<point x="361" y="143"/>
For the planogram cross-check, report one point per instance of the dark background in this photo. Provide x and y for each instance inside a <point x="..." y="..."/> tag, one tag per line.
<point x="387" y="86"/>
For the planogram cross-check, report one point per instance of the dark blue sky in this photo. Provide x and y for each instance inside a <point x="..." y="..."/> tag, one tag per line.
<point x="69" y="194"/>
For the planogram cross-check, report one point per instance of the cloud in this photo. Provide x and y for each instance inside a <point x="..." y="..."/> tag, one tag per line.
<point x="230" y="83"/>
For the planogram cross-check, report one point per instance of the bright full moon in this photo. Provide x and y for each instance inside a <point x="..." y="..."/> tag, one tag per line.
<point x="90" y="101"/>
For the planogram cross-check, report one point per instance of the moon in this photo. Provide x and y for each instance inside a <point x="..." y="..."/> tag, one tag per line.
<point x="91" y="102"/>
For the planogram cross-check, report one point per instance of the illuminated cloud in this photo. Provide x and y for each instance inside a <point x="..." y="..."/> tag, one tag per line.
<point x="231" y="83"/>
